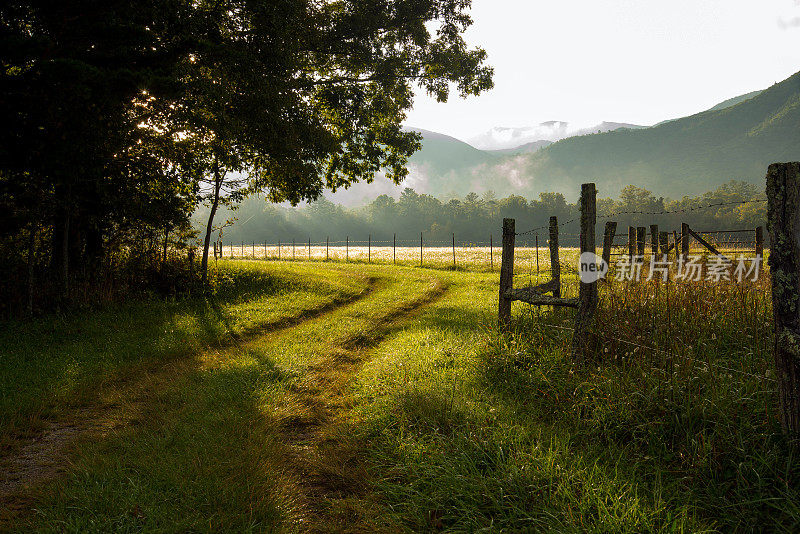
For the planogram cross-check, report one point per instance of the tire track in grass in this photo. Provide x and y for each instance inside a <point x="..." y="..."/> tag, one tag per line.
<point x="321" y="457"/>
<point x="36" y="459"/>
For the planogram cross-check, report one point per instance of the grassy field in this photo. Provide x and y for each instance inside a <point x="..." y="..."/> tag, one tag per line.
<point x="349" y="397"/>
<point x="470" y="257"/>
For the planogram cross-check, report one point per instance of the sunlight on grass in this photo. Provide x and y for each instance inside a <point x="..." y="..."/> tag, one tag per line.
<point x="434" y="421"/>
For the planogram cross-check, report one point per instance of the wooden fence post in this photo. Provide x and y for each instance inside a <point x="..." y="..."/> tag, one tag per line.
<point x="654" y="239"/>
<point x="608" y="241"/>
<point x="783" y="224"/>
<point x="309" y="249"/>
<point x="555" y="264"/>
<point x="254" y="250"/>
<point x="506" y="273"/>
<point x="537" y="257"/>
<point x="491" y="252"/>
<point x="760" y="241"/>
<point x="420" y="249"/>
<point x="292" y="249"/>
<point x="686" y="239"/>
<point x="588" y="292"/>
<point x="641" y="235"/>
<point x="675" y="242"/>
<point x="279" y="250"/>
<point x="327" y="247"/>
<point x="454" y="250"/>
<point x="663" y="241"/>
<point x="631" y="243"/>
<point x="369" y="249"/>
<point x="347" y="249"/>
<point x="394" y="249"/>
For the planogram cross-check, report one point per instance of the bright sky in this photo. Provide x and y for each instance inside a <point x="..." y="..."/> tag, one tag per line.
<point x="636" y="61"/>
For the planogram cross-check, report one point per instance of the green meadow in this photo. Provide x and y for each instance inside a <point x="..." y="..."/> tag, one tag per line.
<point x="331" y="397"/>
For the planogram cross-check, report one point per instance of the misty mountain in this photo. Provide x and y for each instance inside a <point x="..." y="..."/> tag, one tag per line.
<point x="735" y="100"/>
<point x="442" y="154"/>
<point x="734" y="140"/>
<point x="522" y="149"/>
<point x="680" y="157"/>
<point x="441" y="167"/>
<point x="724" y="104"/>
<point x="503" y="138"/>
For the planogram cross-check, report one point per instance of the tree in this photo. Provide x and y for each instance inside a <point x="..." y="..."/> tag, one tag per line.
<point x="111" y="109"/>
<point x="300" y="96"/>
<point x="73" y="95"/>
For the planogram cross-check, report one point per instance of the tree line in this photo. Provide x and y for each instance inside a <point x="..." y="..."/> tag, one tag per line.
<point x="121" y="118"/>
<point x="474" y="217"/>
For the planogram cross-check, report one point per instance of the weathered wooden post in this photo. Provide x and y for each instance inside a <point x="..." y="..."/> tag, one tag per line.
<point x="506" y="273"/>
<point x="654" y="239"/>
<point x="608" y="240"/>
<point x="641" y="235"/>
<point x="675" y="242"/>
<point x="347" y="249"/>
<point x="279" y="249"/>
<point x="454" y="250"/>
<point x="420" y="249"/>
<point x="327" y="247"/>
<point x="631" y="243"/>
<point x="394" y="249"/>
<point x="292" y="249"/>
<point x="309" y="249"/>
<point x="587" y="295"/>
<point x="537" y="256"/>
<point x="783" y="224"/>
<point x="663" y="241"/>
<point x="555" y="264"/>
<point x="686" y="239"/>
<point x="760" y="241"/>
<point x="491" y="252"/>
<point x="254" y="250"/>
<point x="369" y="249"/>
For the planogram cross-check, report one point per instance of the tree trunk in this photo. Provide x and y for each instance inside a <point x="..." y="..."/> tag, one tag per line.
<point x="31" y="258"/>
<point x="783" y="223"/>
<point x="64" y="274"/>
<point x="210" y="223"/>
<point x="166" y="242"/>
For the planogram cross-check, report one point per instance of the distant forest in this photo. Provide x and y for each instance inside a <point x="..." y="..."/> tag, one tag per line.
<point x="474" y="217"/>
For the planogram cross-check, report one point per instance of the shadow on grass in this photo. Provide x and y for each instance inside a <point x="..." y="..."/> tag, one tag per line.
<point x="201" y="459"/>
<point x="56" y="362"/>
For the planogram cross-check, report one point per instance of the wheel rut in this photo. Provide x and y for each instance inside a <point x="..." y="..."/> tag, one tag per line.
<point x="38" y="457"/>
<point x="324" y="463"/>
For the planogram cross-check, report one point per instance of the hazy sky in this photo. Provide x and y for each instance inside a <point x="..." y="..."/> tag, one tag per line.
<point x="637" y="61"/>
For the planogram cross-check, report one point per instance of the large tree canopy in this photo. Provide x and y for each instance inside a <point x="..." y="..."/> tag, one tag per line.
<point x="115" y="108"/>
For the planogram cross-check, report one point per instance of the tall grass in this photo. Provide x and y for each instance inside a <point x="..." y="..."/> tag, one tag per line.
<point x="671" y="427"/>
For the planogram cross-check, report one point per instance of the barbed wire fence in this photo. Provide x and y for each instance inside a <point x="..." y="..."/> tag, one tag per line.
<point x="469" y="254"/>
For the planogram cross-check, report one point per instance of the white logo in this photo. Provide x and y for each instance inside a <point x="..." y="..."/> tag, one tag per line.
<point x="592" y="267"/>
